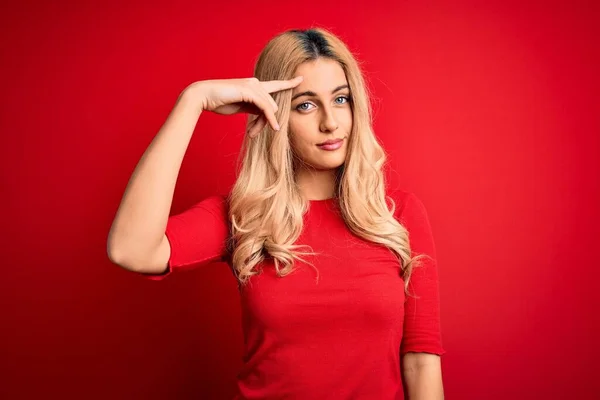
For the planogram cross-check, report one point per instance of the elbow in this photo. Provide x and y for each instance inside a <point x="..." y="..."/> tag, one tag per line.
<point x="146" y="259"/>
<point x="119" y="251"/>
<point x="118" y="258"/>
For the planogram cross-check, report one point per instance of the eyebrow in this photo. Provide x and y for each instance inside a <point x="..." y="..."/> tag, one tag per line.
<point x="313" y="94"/>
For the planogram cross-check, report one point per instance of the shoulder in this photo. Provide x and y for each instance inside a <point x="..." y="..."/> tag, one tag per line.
<point x="412" y="214"/>
<point x="408" y="205"/>
<point x="215" y="205"/>
<point x="218" y="201"/>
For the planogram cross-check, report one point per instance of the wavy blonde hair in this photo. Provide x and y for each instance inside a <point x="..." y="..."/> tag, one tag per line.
<point x="265" y="206"/>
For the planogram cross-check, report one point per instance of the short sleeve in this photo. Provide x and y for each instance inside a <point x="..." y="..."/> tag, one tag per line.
<point x="196" y="236"/>
<point x="422" y="332"/>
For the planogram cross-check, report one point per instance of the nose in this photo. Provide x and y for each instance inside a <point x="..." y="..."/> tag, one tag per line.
<point x="328" y="122"/>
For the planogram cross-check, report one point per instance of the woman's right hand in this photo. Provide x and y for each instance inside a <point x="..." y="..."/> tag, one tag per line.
<point x="249" y="95"/>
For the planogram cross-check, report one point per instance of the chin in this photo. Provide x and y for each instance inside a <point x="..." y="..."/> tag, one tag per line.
<point x="327" y="165"/>
<point x="322" y="162"/>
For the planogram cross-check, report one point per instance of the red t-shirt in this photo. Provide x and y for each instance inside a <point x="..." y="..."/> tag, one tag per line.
<point x="340" y="338"/>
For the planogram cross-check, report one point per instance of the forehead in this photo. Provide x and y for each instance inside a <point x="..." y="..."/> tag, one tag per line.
<point x="321" y="76"/>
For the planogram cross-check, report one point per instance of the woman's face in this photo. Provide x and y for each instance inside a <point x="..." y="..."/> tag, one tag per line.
<point x="321" y="111"/>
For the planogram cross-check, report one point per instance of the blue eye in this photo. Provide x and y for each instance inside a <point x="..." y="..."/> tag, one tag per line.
<point x="301" y="106"/>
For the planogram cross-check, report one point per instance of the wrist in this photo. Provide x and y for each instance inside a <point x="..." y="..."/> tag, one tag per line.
<point x="194" y="95"/>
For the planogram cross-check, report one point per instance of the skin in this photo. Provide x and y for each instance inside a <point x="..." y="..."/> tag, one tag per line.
<point x="315" y="119"/>
<point x="422" y="373"/>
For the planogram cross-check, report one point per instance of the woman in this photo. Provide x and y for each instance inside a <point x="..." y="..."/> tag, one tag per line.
<point x="364" y="317"/>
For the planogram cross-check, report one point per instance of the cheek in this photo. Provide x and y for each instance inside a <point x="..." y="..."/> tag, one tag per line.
<point x="348" y="118"/>
<point x="299" y="134"/>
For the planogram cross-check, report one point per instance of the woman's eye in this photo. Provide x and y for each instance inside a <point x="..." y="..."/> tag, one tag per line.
<point x="305" y="106"/>
<point x="301" y="107"/>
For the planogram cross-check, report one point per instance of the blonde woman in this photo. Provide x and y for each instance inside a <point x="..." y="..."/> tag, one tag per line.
<point x="337" y="302"/>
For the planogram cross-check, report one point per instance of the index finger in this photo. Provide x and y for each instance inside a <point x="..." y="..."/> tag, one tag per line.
<point x="276" y="86"/>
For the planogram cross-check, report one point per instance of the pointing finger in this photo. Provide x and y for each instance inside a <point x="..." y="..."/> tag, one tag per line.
<point x="276" y="86"/>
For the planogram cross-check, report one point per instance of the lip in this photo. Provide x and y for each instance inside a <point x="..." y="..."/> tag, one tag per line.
<point x="331" y="141"/>
<point x="331" y="145"/>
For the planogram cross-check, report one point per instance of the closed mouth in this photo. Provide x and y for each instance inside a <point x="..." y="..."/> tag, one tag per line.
<point x="334" y="141"/>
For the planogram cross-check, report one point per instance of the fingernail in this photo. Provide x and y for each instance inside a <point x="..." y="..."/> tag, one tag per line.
<point x="277" y="127"/>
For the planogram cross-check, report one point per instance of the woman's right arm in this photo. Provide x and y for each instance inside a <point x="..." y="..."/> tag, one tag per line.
<point x="137" y="239"/>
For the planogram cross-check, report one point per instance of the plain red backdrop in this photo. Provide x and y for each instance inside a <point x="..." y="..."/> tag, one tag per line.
<point x="489" y="112"/>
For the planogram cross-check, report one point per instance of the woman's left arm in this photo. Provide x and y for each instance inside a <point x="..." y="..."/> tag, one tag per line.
<point x="423" y="376"/>
<point x="421" y="345"/>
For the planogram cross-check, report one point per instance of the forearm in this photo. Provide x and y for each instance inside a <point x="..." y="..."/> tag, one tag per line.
<point x="423" y="377"/>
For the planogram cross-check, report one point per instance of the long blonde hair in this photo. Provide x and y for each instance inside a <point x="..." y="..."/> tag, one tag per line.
<point x="265" y="206"/>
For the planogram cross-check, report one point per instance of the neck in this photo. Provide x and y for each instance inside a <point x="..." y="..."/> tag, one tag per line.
<point x="316" y="184"/>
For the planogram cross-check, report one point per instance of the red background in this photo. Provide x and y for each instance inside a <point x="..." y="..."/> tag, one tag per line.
<point x="489" y="112"/>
